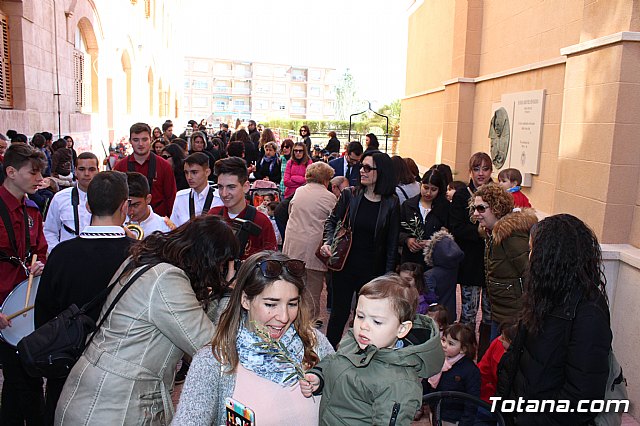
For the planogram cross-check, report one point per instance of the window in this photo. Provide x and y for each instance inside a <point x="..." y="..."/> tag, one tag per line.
<point x="6" y="98"/>
<point x="78" y="79"/>
<point x="280" y="72"/>
<point x="314" y="91"/>
<point x="263" y="70"/>
<point x="187" y="83"/>
<point x="201" y="66"/>
<point x="279" y="89"/>
<point x="315" y="75"/>
<point x="200" y="102"/>
<point x="199" y="83"/>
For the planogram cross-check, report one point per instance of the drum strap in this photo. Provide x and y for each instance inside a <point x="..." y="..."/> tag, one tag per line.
<point x="75" y="201"/>
<point x="4" y="212"/>
<point x="207" y="203"/>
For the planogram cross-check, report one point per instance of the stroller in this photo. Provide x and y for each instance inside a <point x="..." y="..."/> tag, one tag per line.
<point x="263" y="190"/>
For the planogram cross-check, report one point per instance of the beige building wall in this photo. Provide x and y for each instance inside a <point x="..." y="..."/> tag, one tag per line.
<point x="126" y="47"/>
<point x="464" y="55"/>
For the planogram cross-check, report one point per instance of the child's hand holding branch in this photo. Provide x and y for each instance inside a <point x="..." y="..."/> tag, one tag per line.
<point x="309" y="385"/>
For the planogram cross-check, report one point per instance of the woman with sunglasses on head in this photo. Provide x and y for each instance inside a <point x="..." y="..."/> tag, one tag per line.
<point x="269" y="297"/>
<point x="374" y="219"/>
<point x="294" y="172"/>
<point x="174" y="154"/>
<point x="506" y="253"/>
<point x="126" y="372"/>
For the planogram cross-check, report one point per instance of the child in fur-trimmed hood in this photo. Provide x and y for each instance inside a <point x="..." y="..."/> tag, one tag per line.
<point x="444" y="256"/>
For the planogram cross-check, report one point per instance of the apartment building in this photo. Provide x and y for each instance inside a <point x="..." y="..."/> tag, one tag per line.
<point x="222" y="90"/>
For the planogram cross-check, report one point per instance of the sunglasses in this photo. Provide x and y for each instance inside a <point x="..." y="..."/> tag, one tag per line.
<point x="166" y="157"/>
<point x="298" y="150"/>
<point x="274" y="268"/>
<point x="367" y="168"/>
<point x="481" y="208"/>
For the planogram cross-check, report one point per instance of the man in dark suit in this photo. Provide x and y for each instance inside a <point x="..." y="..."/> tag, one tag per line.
<point x="349" y="165"/>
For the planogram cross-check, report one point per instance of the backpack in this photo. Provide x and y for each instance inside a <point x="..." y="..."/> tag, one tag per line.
<point x="616" y="389"/>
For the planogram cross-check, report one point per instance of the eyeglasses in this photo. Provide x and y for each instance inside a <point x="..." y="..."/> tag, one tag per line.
<point x="367" y="168"/>
<point x="274" y="268"/>
<point x="481" y="208"/>
<point x="298" y="150"/>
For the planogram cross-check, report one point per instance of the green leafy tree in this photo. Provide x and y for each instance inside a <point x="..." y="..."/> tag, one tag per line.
<point x="347" y="100"/>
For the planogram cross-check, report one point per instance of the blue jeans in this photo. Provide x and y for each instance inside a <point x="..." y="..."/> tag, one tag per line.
<point x="471" y="298"/>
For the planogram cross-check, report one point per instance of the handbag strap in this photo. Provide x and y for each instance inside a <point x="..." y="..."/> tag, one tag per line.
<point x="120" y="294"/>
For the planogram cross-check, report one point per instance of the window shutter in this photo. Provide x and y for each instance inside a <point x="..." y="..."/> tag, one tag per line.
<point x="78" y="77"/>
<point x="6" y="98"/>
<point x="147" y="8"/>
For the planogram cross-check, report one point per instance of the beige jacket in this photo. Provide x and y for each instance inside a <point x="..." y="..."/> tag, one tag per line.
<point x="309" y="208"/>
<point x="125" y="375"/>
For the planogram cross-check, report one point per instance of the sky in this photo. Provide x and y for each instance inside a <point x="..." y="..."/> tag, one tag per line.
<point x="367" y="36"/>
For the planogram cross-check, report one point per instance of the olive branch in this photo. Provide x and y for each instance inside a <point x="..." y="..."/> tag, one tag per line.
<point x="278" y="351"/>
<point x="414" y="227"/>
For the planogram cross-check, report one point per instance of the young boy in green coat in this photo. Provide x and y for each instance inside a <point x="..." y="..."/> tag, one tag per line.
<point x="374" y="378"/>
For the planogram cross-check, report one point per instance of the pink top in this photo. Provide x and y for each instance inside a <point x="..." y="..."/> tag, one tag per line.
<point x="274" y="404"/>
<point x="294" y="176"/>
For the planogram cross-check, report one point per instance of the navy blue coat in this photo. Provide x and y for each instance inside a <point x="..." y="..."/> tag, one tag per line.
<point x="338" y="166"/>
<point x="464" y="376"/>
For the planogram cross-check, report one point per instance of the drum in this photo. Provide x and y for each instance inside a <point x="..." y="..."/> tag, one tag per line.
<point x="21" y="325"/>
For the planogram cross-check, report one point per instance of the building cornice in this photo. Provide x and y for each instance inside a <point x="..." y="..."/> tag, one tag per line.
<point x="600" y="42"/>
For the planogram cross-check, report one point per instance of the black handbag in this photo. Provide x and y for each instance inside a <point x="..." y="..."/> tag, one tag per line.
<point x="52" y="350"/>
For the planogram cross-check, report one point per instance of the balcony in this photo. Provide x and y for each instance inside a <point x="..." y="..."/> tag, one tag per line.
<point x="222" y="72"/>
<point x="298" y="77"/>
<point x="241" y="108"/>
<point x="241" y="91"/>
<point x="222" y="89"/>
<point x="298" y="110"/>
<point x="298" y="94"/>
<point x="242" y="74"/>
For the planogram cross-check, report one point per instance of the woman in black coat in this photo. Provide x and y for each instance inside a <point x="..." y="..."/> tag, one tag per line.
<point x="566" y="322"/>
<point x="429" y="211"/>
<point x="374" y="216"/>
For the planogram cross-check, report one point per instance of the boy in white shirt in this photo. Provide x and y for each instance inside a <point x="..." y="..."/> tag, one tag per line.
<point x="200" y="197"/>
<point x="140" y="211"/>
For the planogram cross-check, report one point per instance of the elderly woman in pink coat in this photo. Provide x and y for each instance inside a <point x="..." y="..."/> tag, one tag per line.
<point x="308" y="210"/>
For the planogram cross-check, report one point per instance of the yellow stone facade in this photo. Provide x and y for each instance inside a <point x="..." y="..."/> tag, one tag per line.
<point x="463" y="55"/>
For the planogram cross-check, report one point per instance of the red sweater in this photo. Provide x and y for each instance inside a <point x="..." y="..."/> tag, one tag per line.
<point x="163" y="190"/>
<point x="520" y="200"/>
<point x="11" y="274"/>
<point x="488" y="366"/>
<point x="266" y="240"/>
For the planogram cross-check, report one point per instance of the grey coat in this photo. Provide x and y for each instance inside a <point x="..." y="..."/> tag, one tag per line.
<point x="125" y="374"/>
<point x="202" y="401"/>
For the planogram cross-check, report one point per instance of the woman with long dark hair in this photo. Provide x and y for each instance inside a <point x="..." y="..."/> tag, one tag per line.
<point x="374" y="218"/>
<point x="566" y="322"/>
<point x="174" y="154"/>
<point x="423" y="215"/>
<point x="407" y="186"/>
<point x="269" y="298"/>
<point x="294" y="172"/>
<point x="125" y="374"/>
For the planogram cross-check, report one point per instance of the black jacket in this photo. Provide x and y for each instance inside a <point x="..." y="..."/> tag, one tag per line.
<point x="466" y="234"/>
<point x="567" y="359"/>
<point x="437" y="218"/>
<point x="387" y="227"/>
<point x="333" y="145"/>
<point x="262" y="171"/>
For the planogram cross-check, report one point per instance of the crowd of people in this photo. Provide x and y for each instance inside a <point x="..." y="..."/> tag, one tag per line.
<point x="219" y="246"/>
